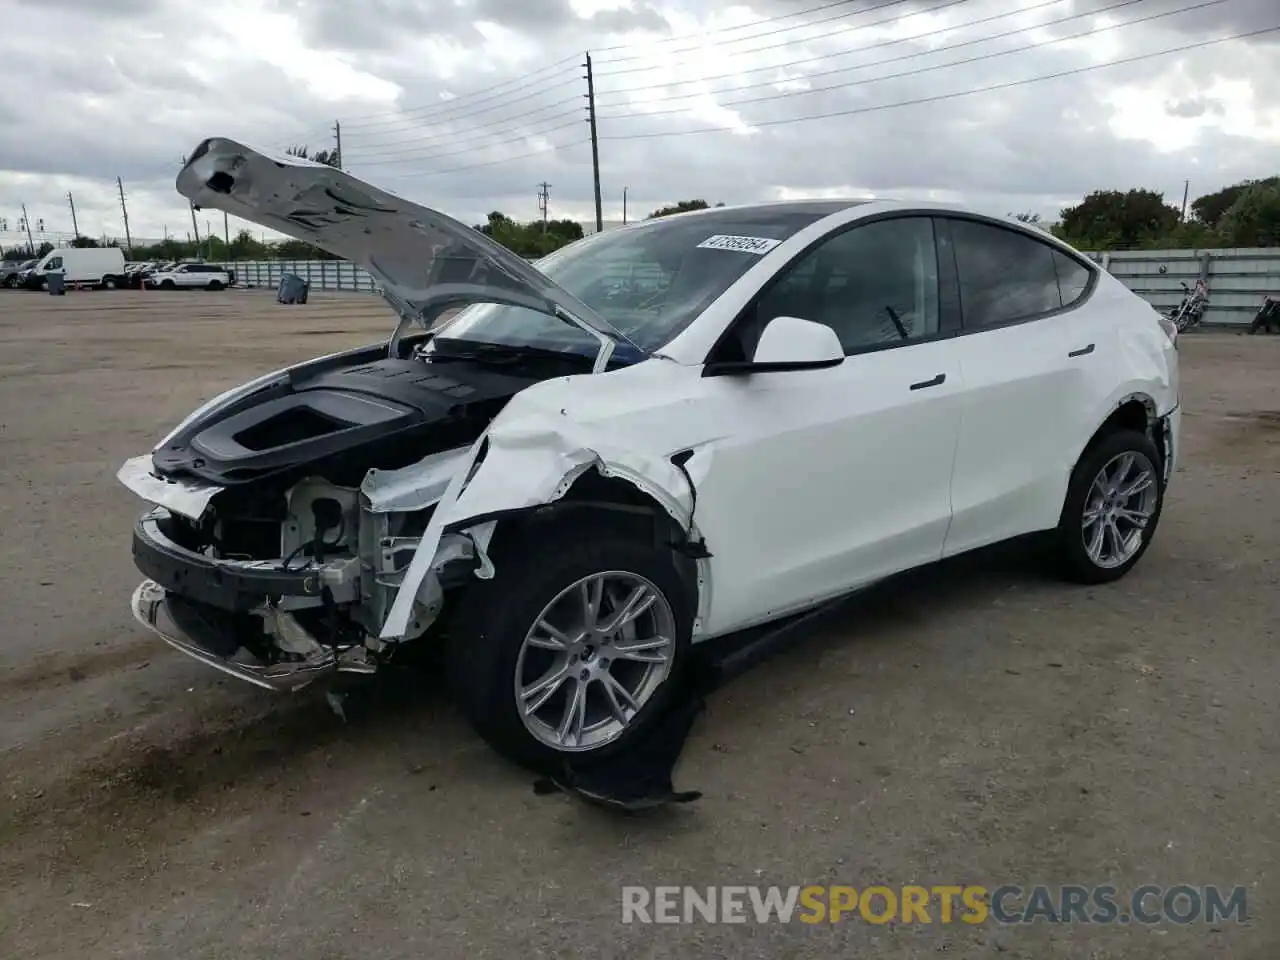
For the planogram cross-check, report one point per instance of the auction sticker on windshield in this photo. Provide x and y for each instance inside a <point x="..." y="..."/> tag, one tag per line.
<point x="757" y="245"/>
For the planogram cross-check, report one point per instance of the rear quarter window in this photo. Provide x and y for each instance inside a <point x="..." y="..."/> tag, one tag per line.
<point x="1073" y="278"/>
<point x="1005" y="276"/>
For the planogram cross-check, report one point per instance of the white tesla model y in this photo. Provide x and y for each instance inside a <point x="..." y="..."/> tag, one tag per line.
<point x="655" y="436"/>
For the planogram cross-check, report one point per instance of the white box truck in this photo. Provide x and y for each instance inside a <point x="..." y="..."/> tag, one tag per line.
<point x="97" y="266"/>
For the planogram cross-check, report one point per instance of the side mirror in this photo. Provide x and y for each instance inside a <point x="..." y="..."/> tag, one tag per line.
<point x="787" y="343"/>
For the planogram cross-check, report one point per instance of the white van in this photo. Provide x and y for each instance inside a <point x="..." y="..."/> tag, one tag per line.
<point x="99" y="266"/>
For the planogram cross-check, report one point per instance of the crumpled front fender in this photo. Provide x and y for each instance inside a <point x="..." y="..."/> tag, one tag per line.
<point x="531" y="456"/>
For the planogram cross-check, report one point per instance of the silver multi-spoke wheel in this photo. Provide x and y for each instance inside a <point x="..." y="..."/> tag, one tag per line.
<point x="1118" y="509"/>
<point x="594" y="656"/>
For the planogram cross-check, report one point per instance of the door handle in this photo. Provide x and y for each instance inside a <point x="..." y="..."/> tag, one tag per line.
<point x="935" y="382"/>
<point x="1082" y="352"/>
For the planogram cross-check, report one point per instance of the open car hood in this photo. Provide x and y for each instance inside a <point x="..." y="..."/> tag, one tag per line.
<point x="424" y="261"/>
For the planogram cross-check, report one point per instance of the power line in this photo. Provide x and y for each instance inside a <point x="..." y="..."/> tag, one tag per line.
<point x="921" y="70"/>
<point x="467" y="101"/>
<point x="937" y="98"/>
<point x="436" y="136"/>
<point x="467" y="110"/>
<point x="460" y="103"/>
<point x="550" y="148"/>
<point x="741" y="26"/>
<point x="419" y="158"/>
<point x="769" y="33"/>
<point x="873" y="46"/>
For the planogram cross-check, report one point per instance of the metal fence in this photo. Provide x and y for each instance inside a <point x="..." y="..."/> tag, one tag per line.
<point x="321" y="274"/>
<point x="1236" y="279"/>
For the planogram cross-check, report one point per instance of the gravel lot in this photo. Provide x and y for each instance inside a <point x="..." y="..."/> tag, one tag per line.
<point x="979" y="725"/>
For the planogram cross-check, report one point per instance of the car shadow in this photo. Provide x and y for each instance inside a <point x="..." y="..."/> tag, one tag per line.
<point x="409" y="709"/>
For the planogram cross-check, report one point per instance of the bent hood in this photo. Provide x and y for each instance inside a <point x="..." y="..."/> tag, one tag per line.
<point x="424" y="261"/>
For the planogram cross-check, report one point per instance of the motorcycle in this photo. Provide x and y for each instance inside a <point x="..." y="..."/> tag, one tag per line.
<point x="1267" y="317"/>
<point x="1190" y="311"/>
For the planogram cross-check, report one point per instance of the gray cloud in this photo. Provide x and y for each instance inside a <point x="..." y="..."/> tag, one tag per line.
<point x="135" y="102"/>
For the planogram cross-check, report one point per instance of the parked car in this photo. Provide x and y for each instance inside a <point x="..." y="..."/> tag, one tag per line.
<point x="572" y="493"/>
<point x="96" y="266"/>
<point x="11" y="274"/>
<point x="191" y="276"/>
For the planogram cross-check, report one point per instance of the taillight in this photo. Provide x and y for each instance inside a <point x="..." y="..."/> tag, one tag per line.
<point x="1169" y="327"/>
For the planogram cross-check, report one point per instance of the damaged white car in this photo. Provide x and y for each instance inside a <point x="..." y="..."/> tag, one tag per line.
<point x="680" y="430"/>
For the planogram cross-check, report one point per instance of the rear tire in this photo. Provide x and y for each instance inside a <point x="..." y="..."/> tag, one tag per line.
<point x="109" y="283"/>
<point x="495" y="650"/>
<point x="215" y="285"/>
<point x="1112" y="508"/>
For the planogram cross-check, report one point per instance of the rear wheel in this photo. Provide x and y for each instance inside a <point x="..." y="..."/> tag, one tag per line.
<point x="574" y="648"/>
<point x="109" y="283"/>
<point x="1112" y="508"/>
<point x="215" y="285"/>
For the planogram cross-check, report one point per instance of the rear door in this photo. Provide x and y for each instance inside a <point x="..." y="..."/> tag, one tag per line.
<point x="1012" y="459"/>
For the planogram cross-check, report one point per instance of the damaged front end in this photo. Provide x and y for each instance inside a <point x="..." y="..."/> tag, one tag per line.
<point x="357" y="572"/>
<point x="312" y="606"/>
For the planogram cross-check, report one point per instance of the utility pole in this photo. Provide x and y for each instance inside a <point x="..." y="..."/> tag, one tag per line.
<point x="337" y="135"/>
<point x="544" y="197"/>
<point x="624" y="206"/>
<point x="1186" y="188"/>
<point x="75" y="227"/>
<point x="595" y="142"/>
<point x="26" y="222"/>
<point x="226" y="235"/>
<point x="128" y="240"/>
<point x="195" y="230"/>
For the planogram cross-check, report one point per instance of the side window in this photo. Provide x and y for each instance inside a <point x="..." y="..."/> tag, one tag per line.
<point x="1004" y="275"/>
<point x="54" y="264"/>
<point x="873" y="284"/>
<point x="1073" y="277"/>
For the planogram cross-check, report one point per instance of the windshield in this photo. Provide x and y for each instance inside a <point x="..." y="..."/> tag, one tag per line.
<point x="649" y="281"/>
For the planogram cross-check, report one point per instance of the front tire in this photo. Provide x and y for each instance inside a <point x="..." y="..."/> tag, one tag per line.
<point x="574" y="648"/>
<point x="1112" y="508"/>
<point x="168" y="285"/>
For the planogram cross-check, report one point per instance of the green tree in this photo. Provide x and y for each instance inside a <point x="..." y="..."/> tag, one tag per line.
<point x="329" y="158"/>
<point x="1210" y="208"/>
<point x="83" y="241"/>
<point x="1253" y="220"/>
<point x="1118" y="219"/>
<point x="683" y="206"/>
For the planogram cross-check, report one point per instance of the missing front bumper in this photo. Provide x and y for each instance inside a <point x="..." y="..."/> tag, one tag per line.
<point x="152" y="608"/>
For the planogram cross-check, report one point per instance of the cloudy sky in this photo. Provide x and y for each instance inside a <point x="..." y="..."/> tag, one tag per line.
<point x="467" y="105"/>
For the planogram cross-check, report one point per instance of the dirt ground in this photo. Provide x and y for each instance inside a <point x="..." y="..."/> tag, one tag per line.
<point x="983" y="725"/>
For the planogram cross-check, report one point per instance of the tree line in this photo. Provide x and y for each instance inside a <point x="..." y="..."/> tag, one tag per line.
<point x="1245" y="214"/>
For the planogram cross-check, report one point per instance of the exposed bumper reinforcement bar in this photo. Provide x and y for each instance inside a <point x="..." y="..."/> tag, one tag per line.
<point x="151" y="609"/>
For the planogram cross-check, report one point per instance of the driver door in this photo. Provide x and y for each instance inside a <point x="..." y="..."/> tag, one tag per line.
<point x="839" y="476"/>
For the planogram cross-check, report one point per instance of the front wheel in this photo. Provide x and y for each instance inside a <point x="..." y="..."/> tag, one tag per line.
<point x="1112" y="508"/>
<point x="574" y="648"/>
<point x="109" y="283"/>
<point x="168" y="285"/>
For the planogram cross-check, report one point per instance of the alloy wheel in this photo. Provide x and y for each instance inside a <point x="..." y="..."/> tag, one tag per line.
<point x="594" y="657"/>
<point x="1121" y="502"/>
